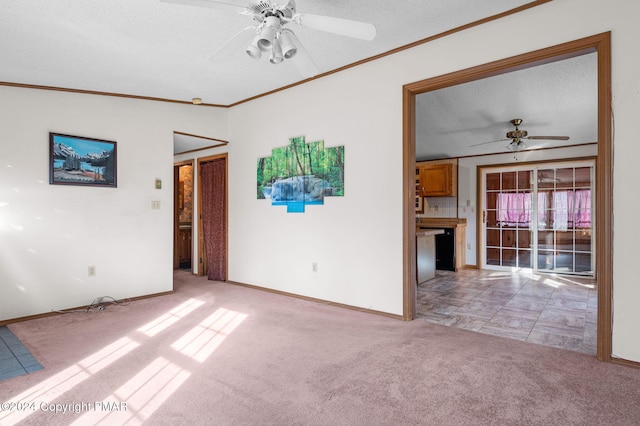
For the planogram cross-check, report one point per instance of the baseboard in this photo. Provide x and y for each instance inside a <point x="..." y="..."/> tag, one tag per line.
<point x="79" y="308"/>
<point x="313" y="299"/>
<point x="625" y="362"/>
<point x="470" y="267"/>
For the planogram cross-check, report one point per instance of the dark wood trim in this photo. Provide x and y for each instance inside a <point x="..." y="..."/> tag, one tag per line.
<point x="220" y="142"/>
<point x="79" y="308"/>
<point x="538" y="162"/>
<point x="478" y="219"/>
<point x="201" y="149"/>
<point x="600" y="43"/>
<point x="409" y="265"/>
<point x="313" y="299"/>
<point x="526" y="150"/>
<point x="604" y="200"/>
<point x="224" y="142"/>
<point x="625" y="362"/>
<point x="202" y="255"/>
<point x="94" y="92"/>
<point x="176" y="212"/>
<point x="354" y="64"/>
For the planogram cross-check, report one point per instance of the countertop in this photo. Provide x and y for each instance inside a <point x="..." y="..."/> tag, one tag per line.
<point x="428" y="232"/>
<point x="440" y="222"/>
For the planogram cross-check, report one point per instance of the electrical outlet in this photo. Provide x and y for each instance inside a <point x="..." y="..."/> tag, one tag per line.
<point x="91" y="270"/>
<point x="468" y="246"/>
<point x="155" y="205"/>
<point x="314" y="267"/>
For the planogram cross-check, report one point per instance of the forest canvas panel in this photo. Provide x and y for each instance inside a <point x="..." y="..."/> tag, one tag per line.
<point x="301" y="174"/>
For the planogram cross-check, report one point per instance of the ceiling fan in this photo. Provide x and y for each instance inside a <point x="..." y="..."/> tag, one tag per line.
<point x="269" y="33"/>
<point x="517" y="136"/>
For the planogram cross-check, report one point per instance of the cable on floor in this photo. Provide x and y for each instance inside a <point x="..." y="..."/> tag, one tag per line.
<point x="98" y="304"/>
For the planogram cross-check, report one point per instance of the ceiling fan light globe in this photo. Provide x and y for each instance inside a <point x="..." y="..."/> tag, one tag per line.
<point x="276" y="53"/>
<point x="516" y="145"/>
<point x="268" y="33"/>
<point x="287" y="44"/>
<point x="254" y="51"/>
<point x="264" y="44"/>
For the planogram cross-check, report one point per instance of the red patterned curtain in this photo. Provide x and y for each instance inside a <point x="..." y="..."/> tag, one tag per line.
<point x="214" y="218"/>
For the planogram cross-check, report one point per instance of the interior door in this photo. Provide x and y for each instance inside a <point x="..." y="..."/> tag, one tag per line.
<point x="508" y="218"/>
<point x="565" y="219"/>
<point x="539" y="217"/>
<point x="213" y="217"/>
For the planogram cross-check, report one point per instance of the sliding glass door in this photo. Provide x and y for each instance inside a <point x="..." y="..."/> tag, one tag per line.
<point x="538" y="217"/>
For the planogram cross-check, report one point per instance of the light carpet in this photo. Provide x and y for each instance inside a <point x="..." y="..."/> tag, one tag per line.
<point x="220" y="354"/>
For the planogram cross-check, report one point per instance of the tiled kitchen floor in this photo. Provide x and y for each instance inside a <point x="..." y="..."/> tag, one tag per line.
<point x="552" y="310"/>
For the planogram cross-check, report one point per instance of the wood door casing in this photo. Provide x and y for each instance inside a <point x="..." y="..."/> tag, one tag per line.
<point x="600" y="43"/>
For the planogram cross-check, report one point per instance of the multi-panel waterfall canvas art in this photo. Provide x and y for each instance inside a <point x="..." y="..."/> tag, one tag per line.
<point x="301" y="174"/>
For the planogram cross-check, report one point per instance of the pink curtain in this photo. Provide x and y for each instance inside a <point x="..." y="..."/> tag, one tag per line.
<point x="514" y="209"/>
<point x="214" y="217"/>
<point x="582" y="208"/>
<point x="570" y="209"/>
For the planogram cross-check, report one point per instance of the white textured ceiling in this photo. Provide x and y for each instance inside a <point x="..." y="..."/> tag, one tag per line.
<point x="155" y="49"/>
<point x="556" y="99"/>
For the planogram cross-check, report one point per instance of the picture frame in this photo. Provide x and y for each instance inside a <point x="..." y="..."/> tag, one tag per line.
<point x="77" y="160"/>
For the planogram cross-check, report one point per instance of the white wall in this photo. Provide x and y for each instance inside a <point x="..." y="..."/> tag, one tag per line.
<point x="50" y="234"/>
<point x="357" y="240"/>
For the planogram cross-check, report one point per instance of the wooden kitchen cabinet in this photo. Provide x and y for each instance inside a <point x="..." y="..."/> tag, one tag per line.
<point x="438" y="180"/>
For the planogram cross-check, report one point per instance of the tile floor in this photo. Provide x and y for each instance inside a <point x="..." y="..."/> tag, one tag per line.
<point x="552" y="310"/>
<point x="15" y="359"/>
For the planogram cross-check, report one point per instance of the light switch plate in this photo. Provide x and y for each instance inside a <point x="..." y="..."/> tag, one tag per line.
<point x="158" y="184"/>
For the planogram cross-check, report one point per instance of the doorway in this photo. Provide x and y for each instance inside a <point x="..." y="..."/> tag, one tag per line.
<point x="183" y="215"/>
<point x="604" y="208"/>
<point x="213" y="217"/>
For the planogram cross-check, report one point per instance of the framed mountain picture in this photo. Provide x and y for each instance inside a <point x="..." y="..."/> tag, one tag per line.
<point x="75" y="160"/>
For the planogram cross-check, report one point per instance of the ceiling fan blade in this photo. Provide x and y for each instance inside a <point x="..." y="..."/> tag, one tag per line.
<point x="345" y="27"/>
<point x="484" y="143"/>
<point x="226" y="7"/>
<point x="302" y="60"/>
<point x="549" y="138"/>
<point x="233" y="45"/>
